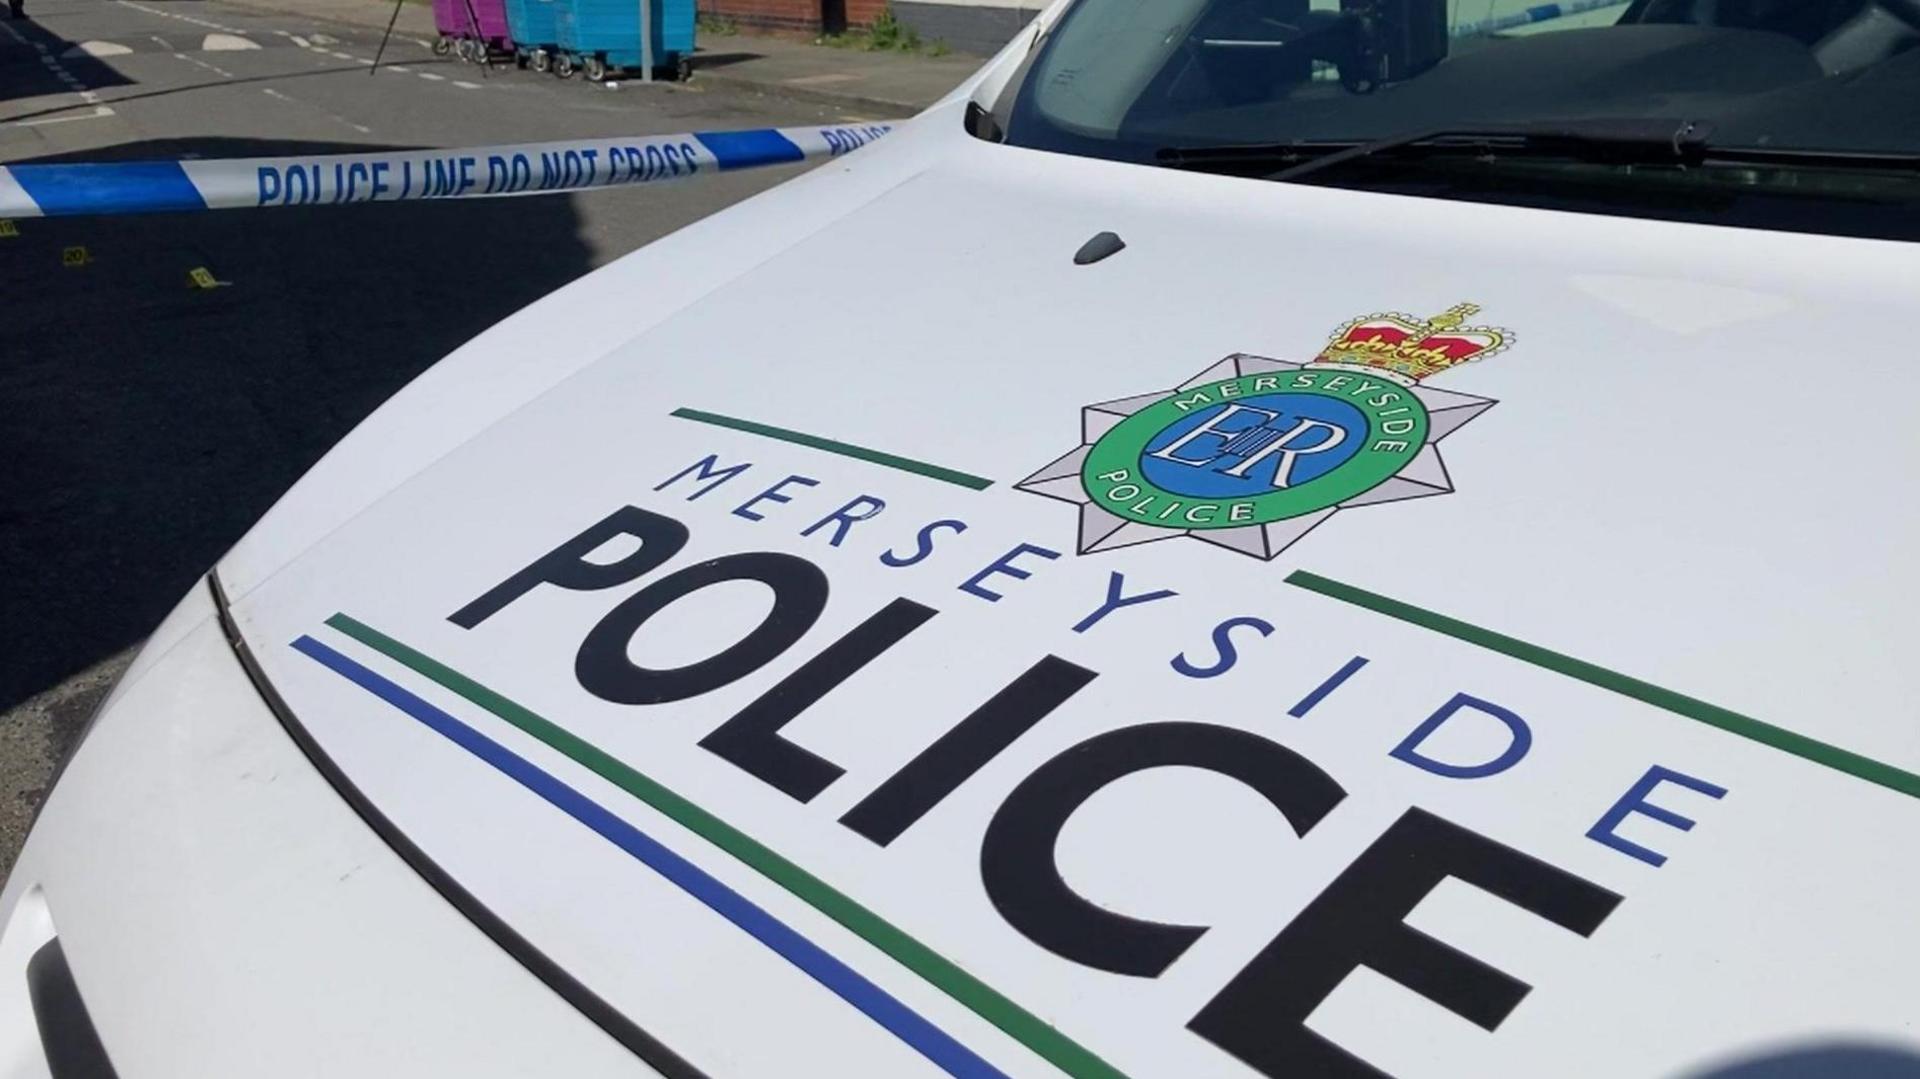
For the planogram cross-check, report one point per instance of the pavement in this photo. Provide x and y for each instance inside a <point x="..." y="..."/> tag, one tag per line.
<point x="145" y="423"/>
<point x="891" y="83"/>
<point x="886" y="81"/>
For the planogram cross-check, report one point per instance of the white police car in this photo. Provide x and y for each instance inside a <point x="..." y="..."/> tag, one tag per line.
<point x="1254" y="539"/>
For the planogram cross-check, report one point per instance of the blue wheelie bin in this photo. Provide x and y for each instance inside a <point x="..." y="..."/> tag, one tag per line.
<point x="534" y="35"/>
<point x="602" y="37"/>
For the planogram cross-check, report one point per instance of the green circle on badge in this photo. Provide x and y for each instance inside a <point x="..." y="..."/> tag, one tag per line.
<point x="1256" y="449"/>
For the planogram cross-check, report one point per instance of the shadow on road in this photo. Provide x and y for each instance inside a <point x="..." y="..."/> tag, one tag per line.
<point x="701" y="60"/>
<point x="145" y="422"/>
<point x="279" y="78"/>
<point x="24" y="72"/>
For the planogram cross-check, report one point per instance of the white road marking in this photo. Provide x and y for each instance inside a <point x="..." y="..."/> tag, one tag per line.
<point x="466" y="85"/>
<point x="53" y="63"/>
<point x="227" y="43"/>
<point x="336" y="117"/>
<point x="162" y="42"/>
<point x="430" y="76"/>
<point x="98" y="112"/>
<point x="96" y="48"/>
<point x="300" y="41"/>
<point x="340" y="55"/>
<point x="202" y="63"/>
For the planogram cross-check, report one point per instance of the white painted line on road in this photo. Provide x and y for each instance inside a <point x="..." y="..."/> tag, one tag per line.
<point x="227" y="43"/>
<point x="74" y="85"/>
<point x="300" y="41"/>
<point x="202" y="63"/>
<point x="336" y="117"/>
<point x="466" y="85"/>
<point x="95" y="48"/>
<point x="430" y="76"/>
<point x="162" y="42"/>
<point x="339" y="55"/>
<point x="359" y="60"/>
<point x="98" y="112"/>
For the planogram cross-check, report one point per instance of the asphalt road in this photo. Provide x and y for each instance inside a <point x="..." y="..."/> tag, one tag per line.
<point x="145" y="423"/>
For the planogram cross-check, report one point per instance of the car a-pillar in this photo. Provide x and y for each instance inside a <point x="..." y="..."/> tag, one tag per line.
<point x="1260" y="1016"/>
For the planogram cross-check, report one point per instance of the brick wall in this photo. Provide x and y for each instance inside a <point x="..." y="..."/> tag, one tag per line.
<point x="810" y="16"/>
<point x="804" y="15"/>
<point x="863" y="12"/>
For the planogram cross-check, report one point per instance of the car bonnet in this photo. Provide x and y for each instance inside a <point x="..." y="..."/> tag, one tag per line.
<point x="1332" y="632"/>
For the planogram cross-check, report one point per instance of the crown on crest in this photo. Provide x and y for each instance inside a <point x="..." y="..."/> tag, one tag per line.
<point x="1410" y="348"/>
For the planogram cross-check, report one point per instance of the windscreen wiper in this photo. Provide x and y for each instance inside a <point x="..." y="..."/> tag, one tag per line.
<point x="1627" y="141"/>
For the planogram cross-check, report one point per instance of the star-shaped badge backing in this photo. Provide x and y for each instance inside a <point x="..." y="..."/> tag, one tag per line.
<point x="1422" y="477"/>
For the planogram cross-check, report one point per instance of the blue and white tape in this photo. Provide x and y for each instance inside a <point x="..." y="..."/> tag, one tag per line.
<point x="408" y="175"/>
<point x="1536" y="14"/>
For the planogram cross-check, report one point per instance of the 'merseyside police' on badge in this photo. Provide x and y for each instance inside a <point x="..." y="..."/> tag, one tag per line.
<point x="1251" y="454"/>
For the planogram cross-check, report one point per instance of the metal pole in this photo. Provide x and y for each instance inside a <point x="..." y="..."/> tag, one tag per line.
<point x="382" y="50"/>
<point x="646" y="40"/>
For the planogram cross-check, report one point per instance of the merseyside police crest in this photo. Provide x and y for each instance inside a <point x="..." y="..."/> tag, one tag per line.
<point x="1252" y="454"/>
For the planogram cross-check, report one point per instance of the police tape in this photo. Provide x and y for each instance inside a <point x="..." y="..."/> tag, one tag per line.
<point x="408" y="175"/>
<point x="1538" y="14"/>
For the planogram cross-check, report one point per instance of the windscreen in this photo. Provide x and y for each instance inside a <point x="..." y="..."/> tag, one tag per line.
<point x="1132" y="78"/>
